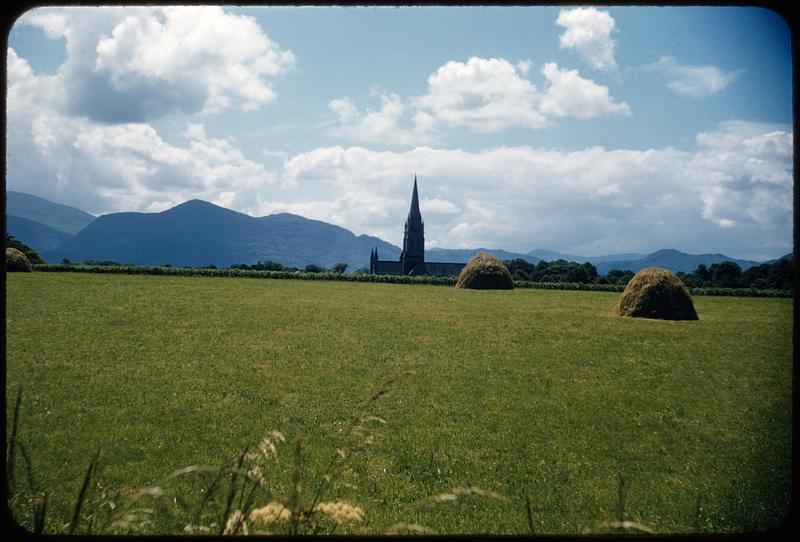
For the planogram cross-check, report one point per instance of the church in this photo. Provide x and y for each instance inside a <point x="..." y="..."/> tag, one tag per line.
<point x="412" y="259"/>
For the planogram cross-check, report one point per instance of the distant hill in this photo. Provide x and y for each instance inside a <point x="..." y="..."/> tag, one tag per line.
<point x="62" y="218"/>
<point x="463" y="255"/>
<point x="198" y="233"/>
<point x="35" y="234"/>
<point x="671" y="259"/>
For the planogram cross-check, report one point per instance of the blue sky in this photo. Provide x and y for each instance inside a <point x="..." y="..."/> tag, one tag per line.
<point x="585" y="130"/>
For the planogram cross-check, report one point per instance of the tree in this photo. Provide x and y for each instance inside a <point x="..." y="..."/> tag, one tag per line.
<point x="339" y="267"/>
<point x="725" y="274"/>
<point x="618" y="276"/>
<point x="31" y="254"/>
<point x="702" y="272"/>
<point x="314" y="268"/>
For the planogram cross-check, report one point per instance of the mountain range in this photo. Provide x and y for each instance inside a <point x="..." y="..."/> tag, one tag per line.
<point x="197" y="233"/>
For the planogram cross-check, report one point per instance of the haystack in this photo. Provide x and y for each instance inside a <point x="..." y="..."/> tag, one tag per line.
<point x="16" y="260"/>
<point x="656" y="293"/>
<point x="485" y="272"/>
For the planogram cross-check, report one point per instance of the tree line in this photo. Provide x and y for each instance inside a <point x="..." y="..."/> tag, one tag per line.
<point x="777" y="275"/>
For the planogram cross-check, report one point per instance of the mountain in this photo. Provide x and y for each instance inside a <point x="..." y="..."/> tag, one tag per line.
<point x="35" y="234"/>
<point x="671" y="259"/>
<point x="62" y="218"/>
<point x="198" y="233"/>
<point x="552" y="255"/>
<point x="462" y="255"/>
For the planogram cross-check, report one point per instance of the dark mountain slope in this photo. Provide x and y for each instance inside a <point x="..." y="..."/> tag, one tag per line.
<point x="198" y="233"/>
<point x="59" y="217"/>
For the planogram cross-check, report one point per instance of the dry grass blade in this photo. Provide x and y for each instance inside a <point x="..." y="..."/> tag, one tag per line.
<point x="409" y="528"/>
<point x="453" y="494"/>
<point x="191" y="469"/>
<point x="625" y="525"/>
<point x="234" y="474"/>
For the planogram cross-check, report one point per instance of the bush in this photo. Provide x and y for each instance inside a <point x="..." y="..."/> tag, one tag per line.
<point x="656" y="293"/>
<point x="485" y="272"/>
<point x="32" y="255"/>
<point x="17" y="261"/>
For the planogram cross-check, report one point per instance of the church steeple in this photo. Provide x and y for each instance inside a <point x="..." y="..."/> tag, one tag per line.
<point x="414" y="216"/>
<point x="413" y="255"/>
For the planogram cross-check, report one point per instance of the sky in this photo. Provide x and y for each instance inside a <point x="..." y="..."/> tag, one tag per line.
<point x="586" y="130"/>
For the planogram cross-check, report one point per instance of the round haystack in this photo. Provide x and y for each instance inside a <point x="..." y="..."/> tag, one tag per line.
<point x="656" y="293"/>
<point x="485" y="272"/>
<point x="16" y="260"/>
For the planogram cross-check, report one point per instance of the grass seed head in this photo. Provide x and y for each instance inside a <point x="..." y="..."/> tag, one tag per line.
<point x="340" y="511"/>
<point x="235" y="521"/>
<point x="273" y="512"/>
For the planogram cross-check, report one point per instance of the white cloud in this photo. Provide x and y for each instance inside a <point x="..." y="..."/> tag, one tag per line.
<point x="588" y="31"/>
<point x="485" y="95"/>
<point x="489" y="95"/>
<point x="436" y="205"/>
<point x="570" y="95"/>
<point x="731" y="193"/>
<point x="382" y="125"/>
<point x="114" y="167"/>
<point x="133" y="64"/>
<point x="743" y="172"/>
<point x="692" y="81"/>
<point x="345" y="109"/>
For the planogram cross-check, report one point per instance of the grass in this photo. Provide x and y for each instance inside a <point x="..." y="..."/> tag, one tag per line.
<point x="543" y="397"/>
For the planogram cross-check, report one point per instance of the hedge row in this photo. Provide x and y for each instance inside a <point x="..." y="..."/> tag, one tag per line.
<point x="365" y="277"/>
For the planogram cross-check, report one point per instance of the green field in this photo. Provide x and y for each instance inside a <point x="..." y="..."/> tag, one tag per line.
<point x="532" y="394"/>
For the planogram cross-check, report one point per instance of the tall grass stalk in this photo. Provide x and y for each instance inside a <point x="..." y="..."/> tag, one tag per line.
<point x="76" y="514"/>
<point x="529" y="514"/>
<point x="12" y="445"/>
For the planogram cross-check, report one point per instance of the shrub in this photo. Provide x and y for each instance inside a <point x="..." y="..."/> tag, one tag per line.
<point x="656" y="293"/>
<point x="29" y="253"/>
<point x="485" y="272"/>
<point x="16" y="260"/>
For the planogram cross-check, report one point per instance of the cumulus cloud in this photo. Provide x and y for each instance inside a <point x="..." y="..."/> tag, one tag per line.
<point x="114" y="167"/>
<point x="483" y="94"/>
<point x="134" y="64"/>
<point x="382" y="125"/>
<point x="488" y="95"/>
<point x="570" y="95"/>
<point x="743" y="174"/>
<point x="588" y="31"/>
<point x="731" y="192"/>
<point x="692" y="81"/>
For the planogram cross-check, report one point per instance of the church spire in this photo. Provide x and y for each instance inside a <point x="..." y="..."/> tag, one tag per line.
<point x="413" y="255"/>
<point x="414" y="216"/>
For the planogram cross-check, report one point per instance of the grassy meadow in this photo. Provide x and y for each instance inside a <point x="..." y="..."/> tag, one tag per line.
<point x="537" y="395"/>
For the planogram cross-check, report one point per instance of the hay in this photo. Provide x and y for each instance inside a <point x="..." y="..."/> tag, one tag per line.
<point x="485" y="272"/>
<point x="17" y="261"/>
<point x="656" y="293"/>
